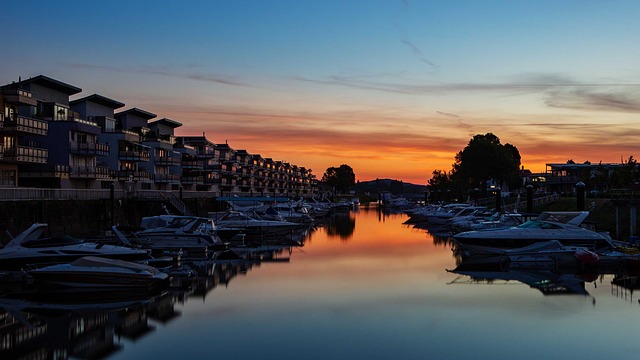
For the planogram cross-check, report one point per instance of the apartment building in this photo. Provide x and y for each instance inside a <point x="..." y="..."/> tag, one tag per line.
<point x="50" y="141"/>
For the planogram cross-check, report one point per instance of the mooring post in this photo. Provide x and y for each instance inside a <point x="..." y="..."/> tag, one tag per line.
<point x="498" y="199"/>
<point x="529" y="198"/>
<point x="580" y="195"/>
<point x="112" y="196"/>
<point x="632" y="221"/>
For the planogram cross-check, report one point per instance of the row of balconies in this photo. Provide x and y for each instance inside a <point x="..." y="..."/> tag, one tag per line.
<point x="134" y="155"/>
<point x="25" y="124"/>
<point x="88" y="148"/>
<point x="25" y="154"/>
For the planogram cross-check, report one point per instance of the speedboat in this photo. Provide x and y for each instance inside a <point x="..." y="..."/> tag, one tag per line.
<point x="546" y="254"/>
<point x="565" y="227"/>
<point x="31" y="247"/>
<point x="92" y="271"/>
<point x="447" y="214"/>
<point x="252" y="226"/>
<point x="174" y="232"/>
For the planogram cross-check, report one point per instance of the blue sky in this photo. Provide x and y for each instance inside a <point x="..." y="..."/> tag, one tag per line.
<point x="392" y="88"/>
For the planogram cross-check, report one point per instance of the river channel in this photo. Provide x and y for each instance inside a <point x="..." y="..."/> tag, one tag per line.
<point x="363" y="286"/>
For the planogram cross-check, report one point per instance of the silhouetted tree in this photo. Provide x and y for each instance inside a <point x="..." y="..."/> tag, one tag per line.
<point x="625" y="176"/>
<point x="484" y="159"/>
<point x="340" y="178"/>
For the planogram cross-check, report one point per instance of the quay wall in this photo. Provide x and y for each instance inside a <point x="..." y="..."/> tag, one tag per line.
<point x="85" y="218"/>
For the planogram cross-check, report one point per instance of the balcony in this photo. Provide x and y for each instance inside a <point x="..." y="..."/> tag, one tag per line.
<point x="166" y="178"/>
<point x="19" y="96"/>
<point x="192" y="165"/>
<point x="167" y="161"/>
<point x="26" y="125"/>
<point x="26" y="154"/>
<point x="192" y="179"/>
<point x="90" y="172"/>
<point x="88" y="148"/>
<point x="134" y="155"/>
<point x="133" y="175"/>
<point x="212" y="180"/>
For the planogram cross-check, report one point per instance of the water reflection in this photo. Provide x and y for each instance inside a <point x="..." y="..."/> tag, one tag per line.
<point x="378" y="295"/>
<point x="341" y="225"/>
<point x="548" y="282"/>
<point x="39" y="323"/>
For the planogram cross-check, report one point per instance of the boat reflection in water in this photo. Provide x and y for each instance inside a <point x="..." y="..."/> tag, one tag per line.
<point x="84" y="322"/>
<point x="551" y="276"/>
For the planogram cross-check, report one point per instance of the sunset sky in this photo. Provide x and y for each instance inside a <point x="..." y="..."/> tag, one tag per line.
<point x="392" y="88"/>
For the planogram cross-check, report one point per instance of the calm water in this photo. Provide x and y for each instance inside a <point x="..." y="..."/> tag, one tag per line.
<point x="363" y="286"/>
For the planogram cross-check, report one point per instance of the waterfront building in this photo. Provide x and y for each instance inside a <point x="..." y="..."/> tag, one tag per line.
<point x="226" y="157"/>
<point x="21" y="132"/>
<point x="200" y="169"/>
<point x="50" y="141"/>
<point x="131" y="129"/>
<point x="164" y="163"/>
<point x="66" y="157"/>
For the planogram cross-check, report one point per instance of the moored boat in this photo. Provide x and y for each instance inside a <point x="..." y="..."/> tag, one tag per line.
<point x="564" y="227"/>
<point x="33" y="247"/>
<point x="92" y="271"/>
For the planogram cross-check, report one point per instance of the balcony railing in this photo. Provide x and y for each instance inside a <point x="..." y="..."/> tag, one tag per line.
<point x="194" y="165"/>
<point x="14" y="194"/>
<point x="166" y="178"/>
<point x="26" y="154"/>
<point x="89" y="148"/>
<point x="26" y="125"/>
<point x="192" y="180"/>
<point x="134" y="155"/>
<point x="90" y="172"/>
<point x="131" y="175"/>
<point x="167" y="161"/>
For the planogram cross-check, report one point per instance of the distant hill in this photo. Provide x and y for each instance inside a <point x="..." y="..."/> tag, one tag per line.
<point x="390" y="186"/>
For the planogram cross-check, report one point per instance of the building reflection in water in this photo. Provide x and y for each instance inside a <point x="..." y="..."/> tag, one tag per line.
<point x="36" y="324"/>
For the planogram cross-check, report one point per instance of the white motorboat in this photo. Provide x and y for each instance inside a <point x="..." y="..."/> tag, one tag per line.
<point x="92" y="271"/>
<point x="32" y="247"/>
<point x="544" y="253"/>
<point x="291" y="213"/>
<point x="164" y="232"/>
<point x="564" y="227"/>
<point x="426" y="213"/>
<point x="444" y="215"/>
<point x="252" y="226"/>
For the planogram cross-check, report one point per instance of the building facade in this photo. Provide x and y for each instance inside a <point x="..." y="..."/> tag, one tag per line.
<point x="50" y="141"/>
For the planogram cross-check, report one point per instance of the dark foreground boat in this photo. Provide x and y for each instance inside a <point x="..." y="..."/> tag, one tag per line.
<point x="32" y="247"/>
<point x="91" y="271"/>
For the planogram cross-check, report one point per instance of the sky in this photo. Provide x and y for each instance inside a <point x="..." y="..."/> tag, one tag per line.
<point x="393" y="89"/>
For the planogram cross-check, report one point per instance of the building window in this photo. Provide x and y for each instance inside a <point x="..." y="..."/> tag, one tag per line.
<point x="7" y="178"/>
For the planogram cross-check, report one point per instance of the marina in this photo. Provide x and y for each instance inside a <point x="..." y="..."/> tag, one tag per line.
<point x="358" y="284"/>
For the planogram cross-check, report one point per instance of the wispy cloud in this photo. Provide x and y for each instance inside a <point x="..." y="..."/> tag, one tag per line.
<point x="418" y="53"/>
<point x="559" y="91"/>
<point x="164" y="71"/>
<point x="595" y="99"/>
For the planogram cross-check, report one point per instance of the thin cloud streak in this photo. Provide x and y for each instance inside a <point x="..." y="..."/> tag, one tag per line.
<point x="214" y="78"/>
<point x="560" y="91"/>
<point x="416" y="51"/>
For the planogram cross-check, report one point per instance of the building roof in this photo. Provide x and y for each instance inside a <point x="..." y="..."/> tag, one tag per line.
<point x="137" y="112"/>
<point x="168" y="122"/>
<point x="193" y="140"/>
<point x="53" y="84"/>
<point x="99" y="99"/>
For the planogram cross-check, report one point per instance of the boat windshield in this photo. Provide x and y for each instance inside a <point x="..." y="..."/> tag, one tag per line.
<point x="51" y="242"/>
<point x="535" y="224"/>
